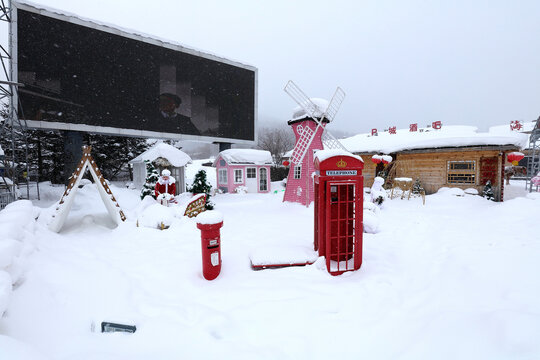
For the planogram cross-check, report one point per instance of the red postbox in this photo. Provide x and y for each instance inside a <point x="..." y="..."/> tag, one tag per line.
<point x="339" y="200"/>
<point x="209" y="222"/>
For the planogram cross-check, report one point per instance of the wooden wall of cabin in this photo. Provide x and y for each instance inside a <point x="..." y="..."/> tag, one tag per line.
<point x="432" y="169"/>
<point x="369" y="170"/>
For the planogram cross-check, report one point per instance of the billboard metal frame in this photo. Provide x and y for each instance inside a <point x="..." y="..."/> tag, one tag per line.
<point x="92" y="24"/>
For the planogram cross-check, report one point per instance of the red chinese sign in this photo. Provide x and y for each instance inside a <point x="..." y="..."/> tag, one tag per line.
<point x="413" y="127"/>
<point x="436" y="125"/>
<point x="515" y="125"/>
<point x="392" y="130"/>
<point x="374" y="132"/>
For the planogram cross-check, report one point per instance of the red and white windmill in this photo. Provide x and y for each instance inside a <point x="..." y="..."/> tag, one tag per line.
<point x="309" y="126"/>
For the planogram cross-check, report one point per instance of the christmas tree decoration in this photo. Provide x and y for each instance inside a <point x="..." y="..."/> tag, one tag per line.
<point x="152" y="177"/>
<point x="202" y="186"/>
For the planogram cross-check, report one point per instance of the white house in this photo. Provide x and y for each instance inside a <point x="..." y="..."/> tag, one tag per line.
<point x="163" y="156"/>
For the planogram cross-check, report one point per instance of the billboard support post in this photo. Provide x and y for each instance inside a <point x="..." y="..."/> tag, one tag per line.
<point x="73" y="143"/>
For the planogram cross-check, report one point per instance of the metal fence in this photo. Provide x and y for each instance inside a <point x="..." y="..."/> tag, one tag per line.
<point x="6" y="197"/>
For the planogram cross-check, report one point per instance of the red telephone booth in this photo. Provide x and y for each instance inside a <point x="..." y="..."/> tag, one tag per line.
<point x="339" y="198"/>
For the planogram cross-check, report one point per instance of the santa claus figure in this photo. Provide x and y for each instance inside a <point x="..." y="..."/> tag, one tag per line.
<point x="165" y="188"/>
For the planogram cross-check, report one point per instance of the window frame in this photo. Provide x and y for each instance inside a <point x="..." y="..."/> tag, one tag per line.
<point x="241" y="171"/>
<point x="263" y="180"/>
<point x="254" y="170"/>
<point x="472" y="172"/>
<point x="297" y="172"/>
<point x="220" y="172"/>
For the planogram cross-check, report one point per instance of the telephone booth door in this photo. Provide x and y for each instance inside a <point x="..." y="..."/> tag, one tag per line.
<point x="343" y="226"/>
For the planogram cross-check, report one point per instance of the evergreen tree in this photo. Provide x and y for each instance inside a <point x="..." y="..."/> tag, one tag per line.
<point x="201" y="185"/>
<point x="488" y="191"/>
<point x="112" y="153"/>
<point x="152" y="177"/>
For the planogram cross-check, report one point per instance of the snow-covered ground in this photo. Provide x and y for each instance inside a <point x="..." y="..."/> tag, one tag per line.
<point x="456" y="278"/>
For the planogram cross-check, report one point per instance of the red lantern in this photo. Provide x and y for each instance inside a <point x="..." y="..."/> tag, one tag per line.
<point x="286" y="163"/>
<point x="515" y="157"/>
<point x="386" y="159"/>
<point x="376" y="159"/>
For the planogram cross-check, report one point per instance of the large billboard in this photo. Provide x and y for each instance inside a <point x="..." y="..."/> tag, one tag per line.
<point x="79" y="75"/>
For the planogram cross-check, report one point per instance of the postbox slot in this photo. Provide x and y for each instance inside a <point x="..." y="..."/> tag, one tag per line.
<point x="212" y="247"/>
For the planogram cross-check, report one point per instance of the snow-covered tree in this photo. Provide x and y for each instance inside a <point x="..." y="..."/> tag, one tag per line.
<point x="201" y="185"/>
<point x="488" y="191"/>
<point x="152" y="177"/>
<point x="417" y="187"/>
<point x="112" y="153"/>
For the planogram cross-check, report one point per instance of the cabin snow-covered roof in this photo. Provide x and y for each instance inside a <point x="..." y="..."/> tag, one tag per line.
<point x="176" y="157"/>
<point x="428" y="138"/>
<point x="246" y="156"/>
<point x="447" y="137"/>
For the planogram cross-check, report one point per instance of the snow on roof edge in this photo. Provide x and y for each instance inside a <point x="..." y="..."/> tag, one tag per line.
<point x="175" y="156"/>
<point x="130" y="33"/>
<point x="246" y="157"/>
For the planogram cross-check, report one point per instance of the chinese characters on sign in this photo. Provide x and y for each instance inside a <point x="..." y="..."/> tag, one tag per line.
<point x="436" y="125"/>
<point x="413" y="127"/>
<point x="392" y="130"/>
<point x="515" y="125"/>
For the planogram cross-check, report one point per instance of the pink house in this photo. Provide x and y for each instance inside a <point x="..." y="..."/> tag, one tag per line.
<point x="243" y="167"/>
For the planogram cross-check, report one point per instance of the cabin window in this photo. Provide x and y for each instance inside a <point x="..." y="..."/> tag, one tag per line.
<point x="251" y="173"/>
<point x="238" y="176"/>
<point x="297" y="171"/>
<point x="461" y="172"/>
<point x="222" y="174"/>
<point x="222" y="162"/>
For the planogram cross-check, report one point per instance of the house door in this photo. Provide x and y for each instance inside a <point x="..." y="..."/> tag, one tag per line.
<point x="251" y="179"/>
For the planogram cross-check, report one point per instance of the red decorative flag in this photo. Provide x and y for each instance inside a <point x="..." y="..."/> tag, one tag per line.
<point x="413" y="127"/>
<point x="515" y="125"/>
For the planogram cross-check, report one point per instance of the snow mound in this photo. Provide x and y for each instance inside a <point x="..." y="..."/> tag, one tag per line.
<point x="210" y="217"/>
<point x="5" y="290"/>
<point x="371" y="218"/>
<point x="471" y="191"/>
<point x="15" y="350"/>
<point x="155" y="215"/>
<point x="282" y="255"/>
<point x="451" y="191"/>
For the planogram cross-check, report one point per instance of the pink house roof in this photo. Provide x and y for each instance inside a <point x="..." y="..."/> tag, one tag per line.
<point x="246" y="156"/>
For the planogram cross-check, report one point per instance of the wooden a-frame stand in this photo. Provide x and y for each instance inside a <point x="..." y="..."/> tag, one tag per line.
<point x="64" y="206"/>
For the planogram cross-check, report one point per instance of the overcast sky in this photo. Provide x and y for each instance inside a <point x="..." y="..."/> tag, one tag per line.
<point x="468" y="62"/>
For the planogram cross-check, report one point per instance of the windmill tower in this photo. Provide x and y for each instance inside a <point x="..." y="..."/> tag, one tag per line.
<point x="309" y="126"/>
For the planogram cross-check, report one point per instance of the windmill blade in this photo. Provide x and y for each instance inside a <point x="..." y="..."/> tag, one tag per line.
<point x="303" y="100"/>
<point x="302" y="145"/>
<point x="334" y="104"/>
<point x="330" y="141"/>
